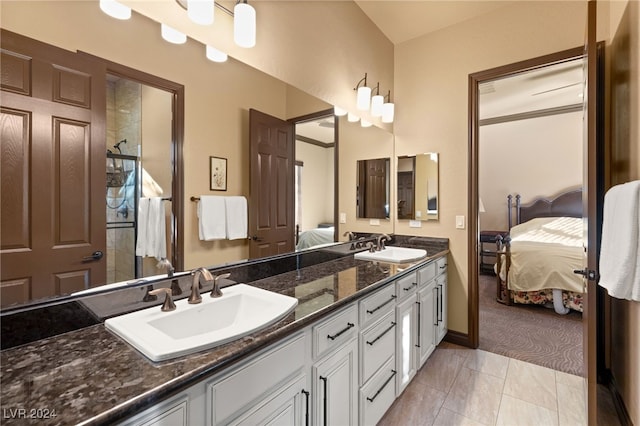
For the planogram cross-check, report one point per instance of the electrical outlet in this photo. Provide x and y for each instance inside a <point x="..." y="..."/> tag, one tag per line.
<point x="459" y="222"/>
<point x="343" y="218"/>
<point x="374" y="222"/>
<point x="415" y="224"/>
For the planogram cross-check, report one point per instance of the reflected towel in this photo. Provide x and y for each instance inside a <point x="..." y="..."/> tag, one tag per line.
<point x="619" y="263"/>
<point x="152" y="241"/>
<point x="236" y="213"/>
<point x="212" y="218"/>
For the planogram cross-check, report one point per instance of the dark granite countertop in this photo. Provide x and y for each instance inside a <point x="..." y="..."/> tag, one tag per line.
<point x="91" y="376"/>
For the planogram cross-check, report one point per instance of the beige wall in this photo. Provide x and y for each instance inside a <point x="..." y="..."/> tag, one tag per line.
<point x="535" y="157"/>
<point x="317" y="184"/>
<point x="431" y="81"/>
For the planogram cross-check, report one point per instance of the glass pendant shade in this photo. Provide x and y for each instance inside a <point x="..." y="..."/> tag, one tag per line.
<point x="115" y="9"/>
<point x="215" y="55"/>
<point x="352" y="118"/>
<point x="365" y="123"/>
<point x="363" y="100"/>
<point x="388" y="112"/>
<point x="244" y="25"/>
<point x="376" y="105"/>
<point x="172" y="35"/>
<point x="339" y="111"/>
<point x="200" y="11"/>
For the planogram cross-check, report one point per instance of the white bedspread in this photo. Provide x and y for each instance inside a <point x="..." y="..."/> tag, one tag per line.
<point x="544" y="253"/>
<point x="315" y="237"/>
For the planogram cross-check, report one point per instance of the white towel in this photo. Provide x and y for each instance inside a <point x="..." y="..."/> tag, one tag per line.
<point x="620" y="249"/>
<point x="236" y="212"/>
<point x="152" y="240"/>
<point x="212" y="218"/>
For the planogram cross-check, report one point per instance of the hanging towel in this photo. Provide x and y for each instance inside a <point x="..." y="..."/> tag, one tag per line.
<point x="152" y="240"/>
<point x="212" y="218"/>
<point x="236" y="212"/>
<point x="620" y="249"/>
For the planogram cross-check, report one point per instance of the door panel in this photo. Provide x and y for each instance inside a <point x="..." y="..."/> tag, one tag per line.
<point x="53" y="163"/>
<point x="271" y="209"/>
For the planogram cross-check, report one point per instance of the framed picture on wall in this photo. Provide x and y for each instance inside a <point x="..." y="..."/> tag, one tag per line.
<point x="218" y="173"/>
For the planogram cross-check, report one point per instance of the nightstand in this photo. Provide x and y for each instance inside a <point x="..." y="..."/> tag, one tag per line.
<point x="488" y="253"/>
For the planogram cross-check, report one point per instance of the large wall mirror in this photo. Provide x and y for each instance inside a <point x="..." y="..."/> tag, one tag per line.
<point x="417" y="186"/>
<point x="373" y="188"/>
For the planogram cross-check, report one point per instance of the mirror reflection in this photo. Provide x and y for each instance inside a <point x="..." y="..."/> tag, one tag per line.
<point x="417" y="187"/>
<point x="373" y="188"/>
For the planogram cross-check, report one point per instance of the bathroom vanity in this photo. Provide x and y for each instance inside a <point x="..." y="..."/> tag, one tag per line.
<point x="360" y="332"/>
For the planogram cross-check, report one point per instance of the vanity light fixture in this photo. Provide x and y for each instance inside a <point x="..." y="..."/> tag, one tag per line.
<point x="215" y="55"/>
<point x="115" y="9"/>
<point x="388" y="110"/>
<point x="172" y="35"/>
<point x="201" y="11"/>
<point x="363" y="99"/>
<point x="339" y="112"/>
<point x="244" y="24"/>
<point x="376" y="102"/>
<point x="352" y="118"/>
<point x="365" y="123"/>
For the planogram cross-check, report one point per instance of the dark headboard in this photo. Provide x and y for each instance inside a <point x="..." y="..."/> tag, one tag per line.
<point x="568" y="204"/>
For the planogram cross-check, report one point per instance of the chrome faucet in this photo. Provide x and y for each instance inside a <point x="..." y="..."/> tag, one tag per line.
<point x="381" y="239"/>
<point x="196" y="274"/>
<point x="216" y="287"/>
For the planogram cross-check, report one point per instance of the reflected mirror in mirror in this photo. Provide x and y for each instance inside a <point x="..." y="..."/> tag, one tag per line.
<point x="372" y="199"/>
<point x="417" y="187"/>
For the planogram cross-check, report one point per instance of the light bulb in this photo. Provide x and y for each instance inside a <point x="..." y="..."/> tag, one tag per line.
<point x="365" y="123"/>
<point x="364" y="98"/>
<point x="352" y="118"/>
<point x="215" y="55"/>
<point x="200" y="11"/>
<point x="244" y="25"/>
<point x="376" y="105"/>
<point x="172" y="35"/>
<point x="339" y="111"/>
<point x="388" y="112"/>
<point x="115" y="9"/>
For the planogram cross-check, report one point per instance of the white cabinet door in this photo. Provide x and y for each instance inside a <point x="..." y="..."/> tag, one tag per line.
<point x="288" y="407"/>
<point x="406" y="327"/>
<point x="335" y="383"/>
<point x="441" y="312"/>
<point x="426" y="323"/>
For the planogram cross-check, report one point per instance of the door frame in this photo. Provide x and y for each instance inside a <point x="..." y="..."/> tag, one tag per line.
<point x="475" y="80"/>
<point x="177" y="141"/>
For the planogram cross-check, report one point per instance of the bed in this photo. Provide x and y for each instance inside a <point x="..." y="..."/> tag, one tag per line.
<point x="544" y="246"/>
<point x="316" y="237"/>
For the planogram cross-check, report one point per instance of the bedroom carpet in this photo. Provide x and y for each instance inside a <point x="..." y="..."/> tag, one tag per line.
<point x="529" y="333"/>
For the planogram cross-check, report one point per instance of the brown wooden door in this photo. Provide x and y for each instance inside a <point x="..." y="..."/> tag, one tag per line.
<point x="372" y="188"/>
<point x="406" y="192"/>
<point x="53" y="171"/>
<point x="271" y="205"/>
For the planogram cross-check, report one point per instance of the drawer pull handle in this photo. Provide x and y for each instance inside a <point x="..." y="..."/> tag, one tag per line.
<point x="443" y="266"/>
<point x="393" y="296"/>
<point x="409" y="288"/>
<point x="393" y="373"/>
<point x="344" y="330"/>
<point x="393" y="324"/>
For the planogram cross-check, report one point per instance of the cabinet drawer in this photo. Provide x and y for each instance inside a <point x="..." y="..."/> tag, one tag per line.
<point x="174" y="412"/>
<point x="375" y="306"/>
<point x="337" y="330"/>
<point x="406" y="286"/>
<point x="254" y="380"/>
<point x="441" y="265"/>
<point x="378" y="395"/>
<point x="426" y="274"/>
<point x="377" y="345"/>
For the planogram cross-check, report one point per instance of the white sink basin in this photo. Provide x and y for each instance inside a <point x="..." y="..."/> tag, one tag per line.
<point x="393" y="255"/>
<point x="240" y="311"/>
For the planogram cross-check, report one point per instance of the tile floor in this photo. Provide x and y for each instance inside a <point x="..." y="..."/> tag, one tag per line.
<point x="461" y="386"/>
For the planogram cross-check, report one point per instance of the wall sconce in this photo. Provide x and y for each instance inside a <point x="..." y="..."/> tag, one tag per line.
<point x="339" y="112"/>
<point x="215" y="55"/>
<point x="244" y="24"/>
<point x="388" y="110"/>
<point x="365" y="123"/>
<point x="201" y="11"/>
<point x="363" y="99"/>
<point x="376" y="102"/>
<point x="172" y="35"/>
<point x="115" y="9"/>
<point x="352" y="118"/>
